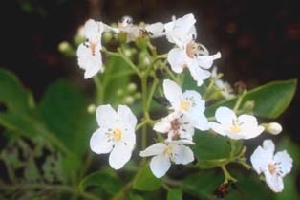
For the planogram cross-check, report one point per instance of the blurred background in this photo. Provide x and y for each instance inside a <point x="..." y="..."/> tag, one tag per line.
<point x="259" y="40"/>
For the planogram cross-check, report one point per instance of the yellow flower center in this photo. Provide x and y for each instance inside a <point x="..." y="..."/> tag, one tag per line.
<point x="116" y="135"/>
<point x="168" y="150"/>
<point x="235" y="127"/>
<point x="185" y="105"/>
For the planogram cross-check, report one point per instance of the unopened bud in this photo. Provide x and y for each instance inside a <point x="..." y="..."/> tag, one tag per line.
<point x="64" y="47"/>
<point x="248" y="105"/>
<point x="129" y="100"/>
<point x="91" y="108"/>
<point x="273" y="128"/>
<point x="132" y="87"/>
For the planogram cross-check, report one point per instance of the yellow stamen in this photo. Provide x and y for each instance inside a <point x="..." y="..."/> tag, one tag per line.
<point x="116" y="134"/>
<point x="185" y="105"/>
<point x="168" y="150"/>
<point x="272" y="169"/>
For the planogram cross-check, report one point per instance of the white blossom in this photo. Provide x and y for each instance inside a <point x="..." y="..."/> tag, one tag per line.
<point x="178" y="30"/>
<point x="88" y="53"/>
<point x="164" y="154"/>
<point x="177" y="126"/>
<point x="189" y="103"/>
<point x="242" y="127"/>
<point x="116" y="134"/>
<point x="274" y="167"/>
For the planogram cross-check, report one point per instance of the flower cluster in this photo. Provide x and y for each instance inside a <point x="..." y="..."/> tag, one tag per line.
<point x="116" y="133"/>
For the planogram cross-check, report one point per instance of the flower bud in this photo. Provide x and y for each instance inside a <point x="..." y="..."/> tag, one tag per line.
<point x="91" y="108"/>
<point x="129" y="100"/>
<point x="131" y="87"/>
<point x="273" y="128"/>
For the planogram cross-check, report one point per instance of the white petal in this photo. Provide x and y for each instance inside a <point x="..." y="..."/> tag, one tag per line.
<point x="182" y="155"/>
<point x="225" y="116"/>
<point x="91" y="28"/>
<point x="119" y="156"/>
<point x="106" y="116"/>
<point x="99" y="142"/>
<point x="153" y="150"/>
<point x="269" y="147"/>
<point x="126" y="118"/>
<point x="285" y="162"/>
<point x="163" y="126"/>
<point x="275" y="183"/>
<point x="91" y="63"/>
<point x="172" y="91"/>
<point x="217" y="127"/>
<point x="155" y="30"/>
<point x="198" y="74"/>
<point x="128" y="138"/>
<point x="176" y="59"/>
<point x="260" y="160"/>
<point x="207" y="61"/>
<point x="159" y="165"/>
<point x="195" y="113"/>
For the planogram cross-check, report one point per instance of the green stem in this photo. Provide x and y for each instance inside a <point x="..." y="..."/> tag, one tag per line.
<point x="65" y="188"/>
<point x="99" y="89"/>
<point x="151" y="93"/>
<point x="122" y="193"/>
<point x="239" y="101"/>
<point x="227" y="175"/>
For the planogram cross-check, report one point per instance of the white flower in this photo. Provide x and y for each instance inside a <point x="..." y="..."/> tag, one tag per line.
<point x="155" y="30"/>
<point x="116" y="134"/>
<point x="177" y="126"/>
<point x="274" y="167"/>
<point x="88" y="53"/>
<point x="242" y="127"/>
<point x="193" y="56"/>
<point x="189" y="103"/>
<point x="179" y="30"/>
<point x="165" y="154"/>
<point x="224" y="87"/>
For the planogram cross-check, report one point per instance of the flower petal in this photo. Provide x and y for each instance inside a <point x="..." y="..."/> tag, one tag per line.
<point x="217" y="127"/>
<point x="207" y="61"/>
<point x="259" y="160"/>
<point x="176" y="60"/>
<point x="126" y="118"/>
<point x="153" y="150"/>
<point x="99" y="142"/>
<point x="155" y="30"/>
<point x="197" y="73"/>
<point x="119" y="156"/>
<point x="159" y="165"/>
<point x="225" y="116"/>
<point x="172" y="91"/>
<point x="106" y="116"/>
<point x="285" y="161"/>
<point x="182" y="155"/>
<point x="274" y="182"/>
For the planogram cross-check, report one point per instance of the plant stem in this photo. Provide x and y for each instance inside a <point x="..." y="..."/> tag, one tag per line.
<point x="99" y="89"/>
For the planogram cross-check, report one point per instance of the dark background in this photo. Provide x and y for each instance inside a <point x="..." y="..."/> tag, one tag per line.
<point x="259" y="40"/>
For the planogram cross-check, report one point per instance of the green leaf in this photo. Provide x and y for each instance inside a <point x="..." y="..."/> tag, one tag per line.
<point x="174" y="194"/>
<point x="104" y="178"/>
<point x="203" y="184"/>
<point x="13" y="95"/>
<point x="145" y="180"/>
<point x="271" y="99"/>
<point x="210" y="146"/>
<point x="64" y="111"/>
